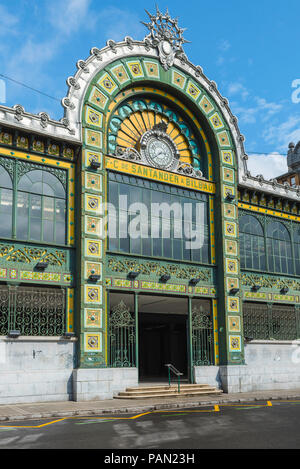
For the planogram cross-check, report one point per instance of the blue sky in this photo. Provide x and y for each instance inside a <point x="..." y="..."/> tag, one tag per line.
<point x="250" y="49"/>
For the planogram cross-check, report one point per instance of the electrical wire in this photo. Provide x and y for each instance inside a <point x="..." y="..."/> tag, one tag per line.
<point x="29" y="87"/>
<point x="56" y="99"/>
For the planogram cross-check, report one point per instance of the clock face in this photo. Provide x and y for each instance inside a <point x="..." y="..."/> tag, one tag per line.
<point x="160" y="152"/>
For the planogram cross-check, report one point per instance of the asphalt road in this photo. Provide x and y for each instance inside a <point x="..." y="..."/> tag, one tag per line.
<point x="255" y="425"/>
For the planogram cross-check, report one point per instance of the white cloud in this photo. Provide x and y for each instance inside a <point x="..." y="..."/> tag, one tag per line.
<point x="224" y="45"/>
<point x="281" y="135"/>
<point x="116" y="24"/>
<point x="261" y="108"/>
<point x="67" y="16"/>
<point x="7" y="21"/>
<point x="236" y="88"/>
<point x="269" y="165"/>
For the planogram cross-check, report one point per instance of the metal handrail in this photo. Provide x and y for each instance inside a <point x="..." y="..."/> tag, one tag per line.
<point x="176" y="372"/>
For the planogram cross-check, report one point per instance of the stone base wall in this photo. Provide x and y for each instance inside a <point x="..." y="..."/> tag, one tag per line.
<point x="102" y="383"/>
<point x="36" y="369"/>
<point x="42" y="369"/>
<point x="269" y="365"/>
<point x="208" y="375"/>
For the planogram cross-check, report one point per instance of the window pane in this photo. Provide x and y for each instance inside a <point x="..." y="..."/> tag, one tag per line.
<point x="60" y="210"/>
<point x="5" y="179"/>
<point x="35" y="217"/>
<point x="6" y="200"/>
<point x="60" y="232"/>
<point x="35" y="229"/>
<point x="22" y="215"/>
<point x="48" y="209"/>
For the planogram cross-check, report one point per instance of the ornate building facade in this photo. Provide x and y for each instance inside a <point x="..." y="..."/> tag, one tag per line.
<point x="85" y="309"/>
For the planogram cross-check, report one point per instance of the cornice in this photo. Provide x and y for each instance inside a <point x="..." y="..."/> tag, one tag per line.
<point x="17" y="118"/>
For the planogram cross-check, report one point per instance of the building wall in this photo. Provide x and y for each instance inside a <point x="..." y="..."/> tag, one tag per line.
<point x="34" y="369"/>
<point x="102" y="383"/>
<point x="269" y="365"/>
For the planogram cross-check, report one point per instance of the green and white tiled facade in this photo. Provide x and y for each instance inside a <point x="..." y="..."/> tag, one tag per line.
<point x="133" y="73"/>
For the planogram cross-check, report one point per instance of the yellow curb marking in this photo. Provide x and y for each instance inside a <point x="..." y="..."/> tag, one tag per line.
<point x="216" y="408"/>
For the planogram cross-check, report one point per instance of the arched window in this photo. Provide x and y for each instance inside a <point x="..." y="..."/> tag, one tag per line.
<point x="252" y="243"/>
<point x="296" y="239"/>
<point x="279" y="248"/>
<point x="41" y="207"/>
<point x="6" y="203"/>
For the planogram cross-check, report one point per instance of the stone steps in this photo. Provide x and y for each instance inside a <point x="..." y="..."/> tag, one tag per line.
<point x="186" y="390"/>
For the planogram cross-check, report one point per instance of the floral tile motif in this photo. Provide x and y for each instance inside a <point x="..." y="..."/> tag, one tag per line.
<point x="135" y="69"/>
<point x="93" y="317"/>
<point x="235" y="343"/>
<point x="216" y="121"/>
<point x="193" y="90"/>
<point x="120" y="74"/>
<point x="152" y="69"/>
<point x="107" y="84"/>
<point x="93" y="117"/>
<point x="178" y="79"/>
<point x="98" y="99"/>
<point x="234" y="323"/>
<point x="206" y="105"/>
<point x="93" y="138"/>
<point x="92" y="342"/>
<point x="227" y="157"/>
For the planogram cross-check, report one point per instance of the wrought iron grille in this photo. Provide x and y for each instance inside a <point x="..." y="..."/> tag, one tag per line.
<point x="122" y="336"/>
<point x="202" y="337"/>
<point x="32" y="310"/>
<point x="271" y="321"/>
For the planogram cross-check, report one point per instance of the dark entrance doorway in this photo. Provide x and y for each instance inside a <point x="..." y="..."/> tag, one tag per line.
<point x="162" y="336"/>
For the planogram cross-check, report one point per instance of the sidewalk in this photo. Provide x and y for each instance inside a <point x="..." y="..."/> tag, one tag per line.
<point x="15" y="412"/>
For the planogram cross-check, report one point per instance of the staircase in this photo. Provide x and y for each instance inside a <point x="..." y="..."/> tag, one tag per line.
<point x="186" y="390"/>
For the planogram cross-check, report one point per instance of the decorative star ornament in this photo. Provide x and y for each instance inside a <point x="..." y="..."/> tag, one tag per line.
<point x="166" y="36"/>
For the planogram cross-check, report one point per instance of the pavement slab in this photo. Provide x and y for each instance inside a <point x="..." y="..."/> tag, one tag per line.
<point x="38" y="410"/>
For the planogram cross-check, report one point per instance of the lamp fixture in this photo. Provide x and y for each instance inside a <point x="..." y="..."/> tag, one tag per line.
<point x="284" y="290"/>
<point x="230" y="196"/>
<point x="41" y="265"/>
<point x="234" y="291"/>
<point x="14" y="334"/>
<point x="248" y="339"/>
<point x="256" y="287"/>
<point x="133" y="275"/>
<point x="94" y="277"/>
<point x="68" y="335"/>
<point x="95" y="164"/>
<point x="194" y="281"/>
<point x="164" y="278"/>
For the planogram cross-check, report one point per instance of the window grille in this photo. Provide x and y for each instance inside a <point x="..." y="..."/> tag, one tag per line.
<point x="33" y="311"/>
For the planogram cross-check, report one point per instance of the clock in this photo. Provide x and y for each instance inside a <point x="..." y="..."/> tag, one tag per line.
<point x="158" y="148"/>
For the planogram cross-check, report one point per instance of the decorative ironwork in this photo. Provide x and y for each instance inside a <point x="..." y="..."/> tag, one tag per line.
<point x="202" y="337"/>
<point x="34" y="311"/>
<point x="8" y="164"/>
<point x="23" y="167"/>
<point x="267" y="322"/>
<point x="28" y="255"/>
<point x="122" y="336"/>
<point x="166" y="36"/>
<point x="268" y="281"/>
<point x="155" y="268"/>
